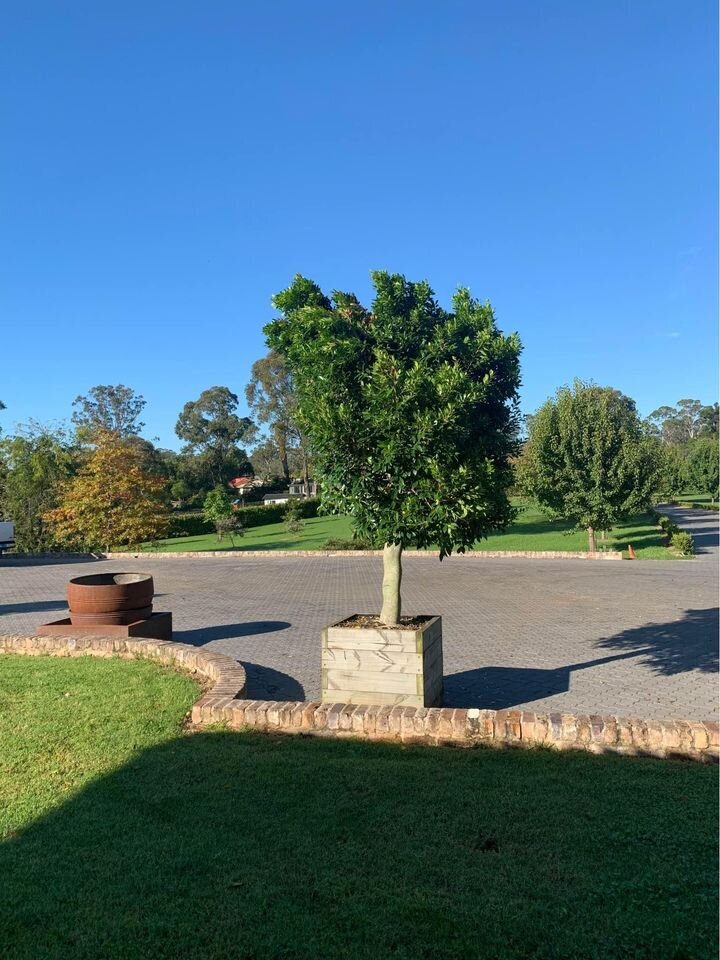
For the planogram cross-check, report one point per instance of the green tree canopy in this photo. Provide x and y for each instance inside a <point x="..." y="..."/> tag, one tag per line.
<point x="686" y="421"/>
<point x="218" y="510"/>
<point x="703" y="466"/>
<point x="109" y="409"/>
<point x="34" y="464"/>
<point x="212" y="431"/>
<point x="411" y="412"/>
<point x="588" y="458"/>
<point x="272" y="400"/>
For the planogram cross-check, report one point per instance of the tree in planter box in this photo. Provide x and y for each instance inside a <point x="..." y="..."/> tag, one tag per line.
<point x="411" y="412"/>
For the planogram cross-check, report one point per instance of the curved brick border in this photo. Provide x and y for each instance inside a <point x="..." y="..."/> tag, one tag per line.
<point x="698" y="740"/>
<point x="226" y="674"/>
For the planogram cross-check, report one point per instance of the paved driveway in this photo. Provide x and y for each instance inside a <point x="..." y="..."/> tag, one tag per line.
<point x="704" y="525"/>
<point x="636" y="639"/>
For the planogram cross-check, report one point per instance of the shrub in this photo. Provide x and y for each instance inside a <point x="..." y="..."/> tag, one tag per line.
<point x="275" y="512"/>
<point x="683" y="543"/>
<point x="293" y="516"/>
<point x="191" y="523"/>
<point x="188" y="525"/>
<point x="339" y="543"/>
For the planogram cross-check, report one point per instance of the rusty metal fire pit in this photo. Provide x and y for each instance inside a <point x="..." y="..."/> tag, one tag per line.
<point x="107" y="598"/>
<point x="114" y="605"/>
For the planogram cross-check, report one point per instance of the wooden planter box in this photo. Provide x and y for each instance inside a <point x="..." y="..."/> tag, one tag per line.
<point x="399" y="667"/>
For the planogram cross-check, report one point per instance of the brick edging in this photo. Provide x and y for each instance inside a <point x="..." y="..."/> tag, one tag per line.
<point x="441" y="726"/>
<point x="223" y="703"/>
<point x="226" y="674"/>
<point x="425" y="554"/>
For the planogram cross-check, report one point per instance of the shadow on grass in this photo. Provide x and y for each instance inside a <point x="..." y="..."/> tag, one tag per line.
<point x="223" y="845"/>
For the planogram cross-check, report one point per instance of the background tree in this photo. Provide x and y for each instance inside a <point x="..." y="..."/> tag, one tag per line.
<point x="35" y="464"/>
<point x="588" y="459"/>
<point x="293" y="517"/>
<point x="410" y="411"/>
<point x="709" y="418"/>
<point x="703" y="466"/>
<point x="218" y="510"/>
<point x="109" y="409"/>
<point x="684" y="422"/>
<point x="672" y="473"/>
<point x="112" y="501"/>
<point x="212" y="431"/>
<point x="271" y="398"/>
<point x="266" y="462"/>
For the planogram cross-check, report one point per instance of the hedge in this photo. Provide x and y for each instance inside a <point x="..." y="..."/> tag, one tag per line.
<point x="193" y="524"/>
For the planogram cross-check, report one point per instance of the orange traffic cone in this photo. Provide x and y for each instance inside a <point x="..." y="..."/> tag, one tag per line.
<point x="631" y="553"/>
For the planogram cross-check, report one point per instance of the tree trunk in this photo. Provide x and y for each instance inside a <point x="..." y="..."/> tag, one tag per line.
<point x="592" y="544"/>
<point x="306" y="476"/>
<point x="392" y="577"/>
<point x="281" y="443"/>
<point x="603" y="535"/>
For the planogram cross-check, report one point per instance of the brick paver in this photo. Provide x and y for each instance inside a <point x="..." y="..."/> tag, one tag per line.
<point x="636" y="639"/>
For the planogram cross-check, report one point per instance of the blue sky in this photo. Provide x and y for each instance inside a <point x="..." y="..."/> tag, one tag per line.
<point x="168" y="166"/>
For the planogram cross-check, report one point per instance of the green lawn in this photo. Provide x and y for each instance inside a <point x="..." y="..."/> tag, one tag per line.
<point x="124" y="838"/>
<point x="705" y="499"/>
<point x="531" y="531"/>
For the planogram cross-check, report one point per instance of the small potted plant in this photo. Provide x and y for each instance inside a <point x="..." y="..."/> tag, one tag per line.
<point x="411" y="413"/>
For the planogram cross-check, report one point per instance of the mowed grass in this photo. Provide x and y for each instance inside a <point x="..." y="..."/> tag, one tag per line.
<point x="271" y="536"/>
<point x="531" y="531"/>
<point x="148" y="842"/>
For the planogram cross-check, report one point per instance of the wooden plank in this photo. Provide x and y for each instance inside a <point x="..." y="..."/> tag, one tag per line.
<point x="365" y="680"/>
<point x="431" y="658"/>
<point x="372" y="696"/>
<point x="368" y="641"/>
<point x="372" y="660"/>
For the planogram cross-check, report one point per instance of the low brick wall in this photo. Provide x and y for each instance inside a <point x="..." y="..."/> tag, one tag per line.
<point x="223" y="703"/>
<point x="226" y="674"/>
<point x="425" y="554"/>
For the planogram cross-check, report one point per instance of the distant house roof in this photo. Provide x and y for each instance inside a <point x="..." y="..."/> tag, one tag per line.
<point x="240" y="482"/>
<point x="270" y="497"/>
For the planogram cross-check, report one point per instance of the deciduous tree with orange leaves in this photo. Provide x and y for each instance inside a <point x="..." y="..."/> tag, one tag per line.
<point x="112" y="501"/>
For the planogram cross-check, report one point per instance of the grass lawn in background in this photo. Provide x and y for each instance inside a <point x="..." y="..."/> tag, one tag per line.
<point x="703" y="498"/>
<point x="122" y="837"/>
<point x="531" y="531"/>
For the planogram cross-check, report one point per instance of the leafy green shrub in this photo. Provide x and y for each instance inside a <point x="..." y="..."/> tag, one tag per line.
<point x="188" y="525"/>
<point x="668" y="526"/>
<point x="293" y="516"/>
<point x="193" y="524"/>
<point x="340" y="543"/>
<point x="683" y="543"/>
<point x="275" y="512"/>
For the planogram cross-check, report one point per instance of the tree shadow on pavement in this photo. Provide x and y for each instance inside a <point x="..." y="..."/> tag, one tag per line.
<point x="32" y="606"/>
<point x="688" y="644"/>
<point x="499" y="688"/>
<point x="228" y="631"/>
<point x="265" y="683"/>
